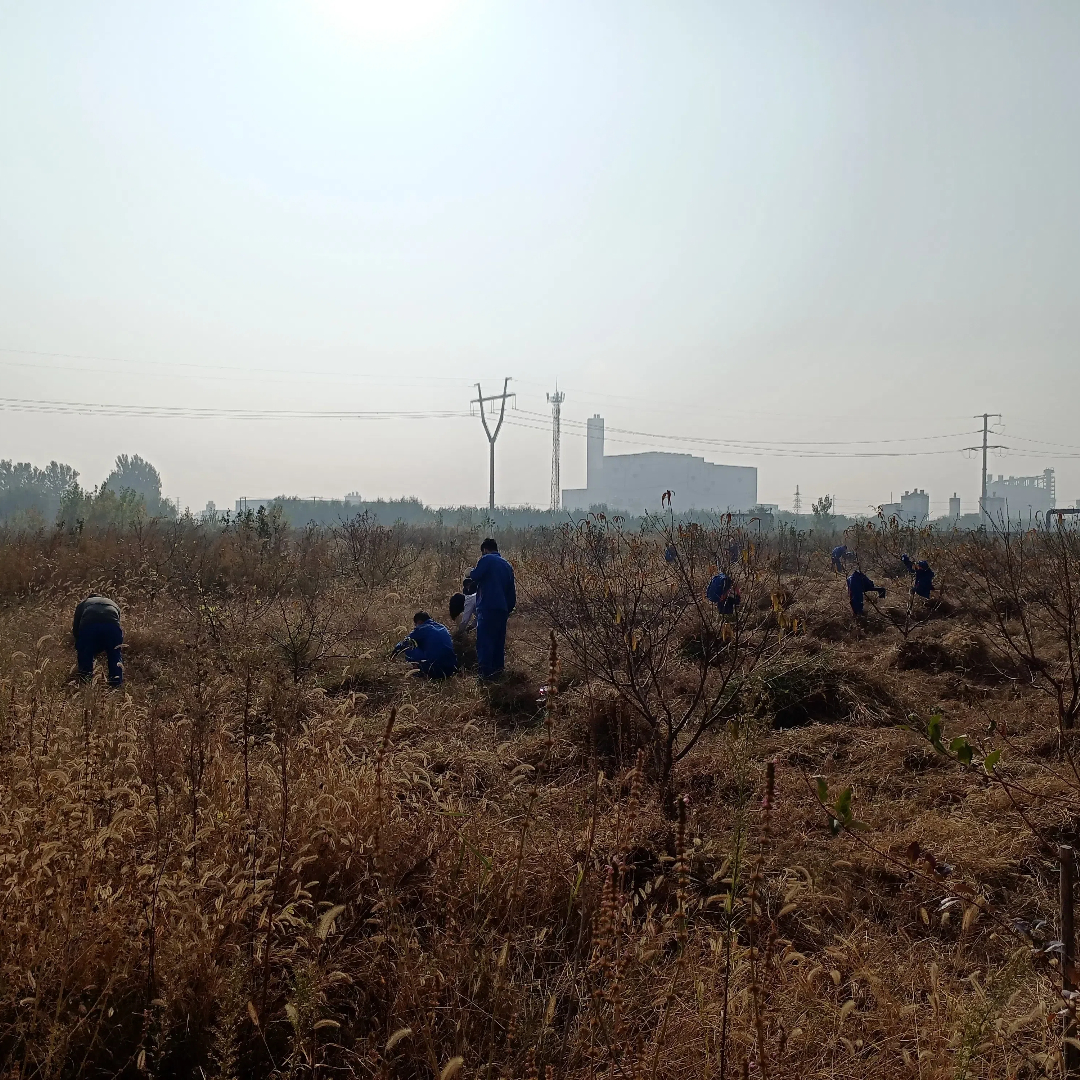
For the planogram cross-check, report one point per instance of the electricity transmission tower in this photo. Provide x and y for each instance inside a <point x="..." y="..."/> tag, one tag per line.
<point x="798" y="501"/>
<point x="986" y="430"/>
<point x="492" y="435"/>
<point x="556" y="400"/>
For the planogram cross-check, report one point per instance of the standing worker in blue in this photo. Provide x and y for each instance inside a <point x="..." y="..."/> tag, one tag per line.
<point x="924" y="576"/>
<point x="429" y="647"/>
<point x="494" y="578"/>
<point x="96" y="629"/>
<point x="858" y="584"/>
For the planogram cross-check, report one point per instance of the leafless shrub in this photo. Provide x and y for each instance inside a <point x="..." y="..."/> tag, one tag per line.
<point x="1025" y="587"/>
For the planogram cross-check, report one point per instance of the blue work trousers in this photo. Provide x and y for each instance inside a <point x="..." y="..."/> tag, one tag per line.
<point x="100" y="637"/>
<point x="432" y="669"/>
<point x="491" y="642"/>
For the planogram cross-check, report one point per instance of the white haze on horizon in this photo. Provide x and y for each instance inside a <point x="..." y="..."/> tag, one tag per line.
<point x="786" y="222"/>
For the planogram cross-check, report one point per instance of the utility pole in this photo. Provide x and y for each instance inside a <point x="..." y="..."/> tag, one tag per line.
<point x="985" y="446"/>
<point x="556" y="400"/>
<point x="492" y="436"/>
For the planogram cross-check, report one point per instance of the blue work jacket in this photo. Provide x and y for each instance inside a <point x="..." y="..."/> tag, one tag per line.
<point x="723" y="594"/>
<point x="858" y="584"/>
<point x="430" y="642"/>
<point x="495" y="578"/>
<point x="924" y="576"/>
<point x="718" y="588"/>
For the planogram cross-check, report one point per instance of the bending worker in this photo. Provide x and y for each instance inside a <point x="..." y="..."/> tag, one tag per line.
<point x="723" y="592"/>
<point x="463" y="606"/>
<point x="96" y="629"/>
<point x="494" y="578"/>
<point x="924" y="576"/>
<point x="839" y="554"/>
<point x="429" y="647"/>
<point x="857" y="585"/>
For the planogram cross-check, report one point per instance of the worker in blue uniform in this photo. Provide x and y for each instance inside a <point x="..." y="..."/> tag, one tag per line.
<point x="494" y="578"/>
<point x="924" y="576"/>
<point x="430" y="647"/>
<point x="858" y="584"/>
<point x="724" y="593"/>
<point x="839" y="554"/>
<point x="96" y="629"/>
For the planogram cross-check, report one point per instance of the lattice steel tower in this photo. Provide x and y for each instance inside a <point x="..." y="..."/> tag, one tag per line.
<point x="556" y="400"/>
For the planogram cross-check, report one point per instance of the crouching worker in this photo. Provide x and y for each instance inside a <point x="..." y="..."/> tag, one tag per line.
<point x="858" y="584"/>
<point x="96" y="629"/>
<point x="724" y="593"/>
<point x="429" y="647"/>
<point x="924" y="576"/>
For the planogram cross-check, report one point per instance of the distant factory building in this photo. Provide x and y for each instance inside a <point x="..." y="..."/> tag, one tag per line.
<point x="634" y="483"/>
<point x="1020" y="498"/>
<point x="954" y="506"/>
<point x="254" y="505"/>
<point x="912" y="509"/>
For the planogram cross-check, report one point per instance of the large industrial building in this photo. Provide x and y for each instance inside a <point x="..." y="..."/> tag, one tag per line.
<point x="1020" y="498"/>
<point x="634" y="483"/>
<point x="912" y="509"/>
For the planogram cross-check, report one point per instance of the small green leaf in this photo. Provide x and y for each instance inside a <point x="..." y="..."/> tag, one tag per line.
<point x="934" y="727"/>
<point x="990" y="761"/>
<point x="962" y="749"/>
<point x="843" y="806"/>
<point x="822" y="789"/>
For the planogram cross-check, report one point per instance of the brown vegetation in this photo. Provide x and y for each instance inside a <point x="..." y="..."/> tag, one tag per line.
<point x="667" y="844"/>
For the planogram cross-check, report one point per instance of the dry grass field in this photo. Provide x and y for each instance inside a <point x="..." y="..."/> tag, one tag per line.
<point x="663" y="845"/>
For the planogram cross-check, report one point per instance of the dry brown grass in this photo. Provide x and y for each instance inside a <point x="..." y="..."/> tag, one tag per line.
<point x="276" y="854"/>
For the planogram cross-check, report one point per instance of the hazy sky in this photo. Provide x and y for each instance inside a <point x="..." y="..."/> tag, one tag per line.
<point x="791" y="225"/>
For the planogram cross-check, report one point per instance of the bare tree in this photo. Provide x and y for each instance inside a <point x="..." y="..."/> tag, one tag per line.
<point x="632" y="609"/>
<point x="1025" y="584"/>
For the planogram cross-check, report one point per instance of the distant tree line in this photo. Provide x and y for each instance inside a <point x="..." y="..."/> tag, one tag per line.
<point x="33" y="496"/>
<point x="132" y="492"/>
<point x="298" y="512"/>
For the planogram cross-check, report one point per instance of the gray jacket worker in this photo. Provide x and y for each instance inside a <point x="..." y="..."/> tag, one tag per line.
<point x="96" y="629"/>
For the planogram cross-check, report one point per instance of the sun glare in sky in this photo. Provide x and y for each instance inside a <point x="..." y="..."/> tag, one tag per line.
<point x="381" y="21"/>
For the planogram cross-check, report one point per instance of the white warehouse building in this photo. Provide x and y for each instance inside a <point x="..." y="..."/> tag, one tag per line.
<point x="1020" y="498"/>
<point x="634" y="483"/>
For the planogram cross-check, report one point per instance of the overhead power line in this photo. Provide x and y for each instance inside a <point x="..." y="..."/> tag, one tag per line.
<point x="523" y="419"/>
<point x="148" y="367"/>
<point x="91" y="408"/>
<point x="761" y="442"/>
<point x="746" y="450"/>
